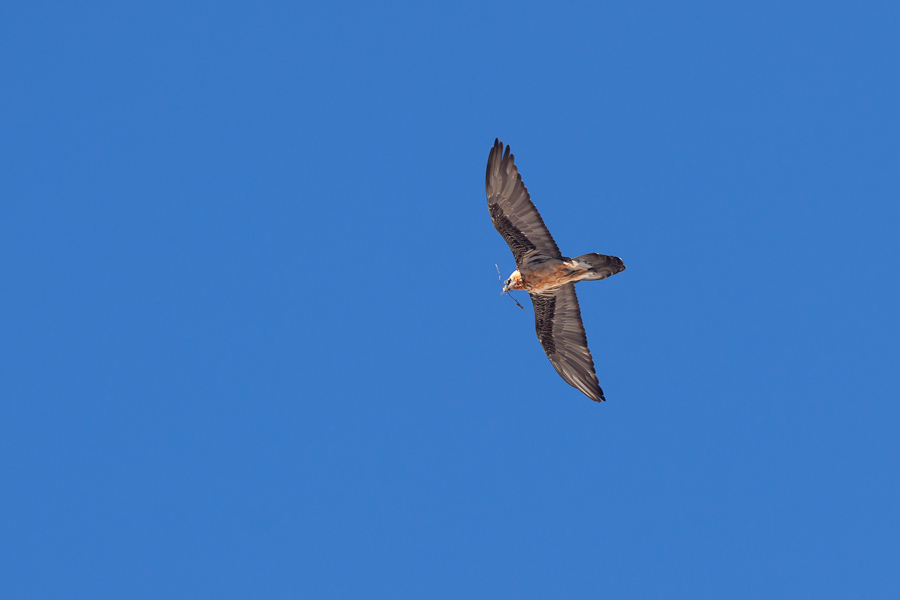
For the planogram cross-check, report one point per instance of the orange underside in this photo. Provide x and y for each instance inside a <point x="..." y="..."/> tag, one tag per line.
<point x="546" y="276"/>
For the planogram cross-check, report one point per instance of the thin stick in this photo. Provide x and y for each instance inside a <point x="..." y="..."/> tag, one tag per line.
<point x="500" y="279"/>
<point x="516" y="301"/>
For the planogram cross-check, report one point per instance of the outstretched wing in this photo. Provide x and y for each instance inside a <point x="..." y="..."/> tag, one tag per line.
<point x="557" y="320"/>
<point x="512" y="211"/>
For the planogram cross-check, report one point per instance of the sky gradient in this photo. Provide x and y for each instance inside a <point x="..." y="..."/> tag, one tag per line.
<point x="253" y="338"/>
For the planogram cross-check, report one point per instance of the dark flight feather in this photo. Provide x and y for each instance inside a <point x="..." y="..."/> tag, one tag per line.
<point x="557" y="321"/>
<point x="513" y="213"/>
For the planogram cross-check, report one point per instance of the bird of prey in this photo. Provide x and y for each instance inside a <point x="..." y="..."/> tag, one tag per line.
<point x="543" y="272"/>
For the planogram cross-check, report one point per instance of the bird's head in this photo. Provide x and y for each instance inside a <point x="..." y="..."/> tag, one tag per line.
<point x="514" y="282"/>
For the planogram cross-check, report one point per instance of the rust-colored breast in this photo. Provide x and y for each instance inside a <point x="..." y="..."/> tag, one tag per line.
<point x="550" y="275"/>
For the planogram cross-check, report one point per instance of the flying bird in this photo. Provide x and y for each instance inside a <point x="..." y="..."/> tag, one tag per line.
<point x="543" y="272"/>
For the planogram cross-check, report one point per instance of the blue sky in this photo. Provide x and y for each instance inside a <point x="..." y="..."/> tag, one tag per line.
<point x="253" y="340"/>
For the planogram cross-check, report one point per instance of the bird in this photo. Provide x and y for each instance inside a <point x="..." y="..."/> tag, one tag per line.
<point x="543" y="272"/>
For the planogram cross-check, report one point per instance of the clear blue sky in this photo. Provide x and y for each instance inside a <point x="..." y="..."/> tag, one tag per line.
<point x="253" y="343"/>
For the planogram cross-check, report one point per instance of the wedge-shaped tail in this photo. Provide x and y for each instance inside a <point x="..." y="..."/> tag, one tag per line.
<point x="599" y="266"/>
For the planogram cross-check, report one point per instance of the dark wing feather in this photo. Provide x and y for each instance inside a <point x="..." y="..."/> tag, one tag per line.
<point x="557" y="320"/>
<point x="512" y="211"/>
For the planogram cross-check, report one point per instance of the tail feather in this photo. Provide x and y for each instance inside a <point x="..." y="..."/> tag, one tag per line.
<point x="599" y="266"/>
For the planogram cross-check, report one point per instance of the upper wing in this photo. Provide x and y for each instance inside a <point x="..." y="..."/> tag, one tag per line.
<point x="512" y="211"/>
<point x="557" y="320"/>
